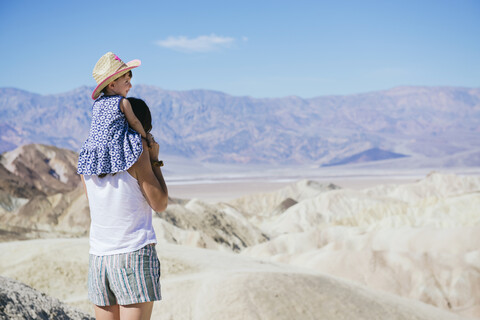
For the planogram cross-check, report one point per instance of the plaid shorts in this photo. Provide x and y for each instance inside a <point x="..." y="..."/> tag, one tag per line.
<point x="125" y="278"/>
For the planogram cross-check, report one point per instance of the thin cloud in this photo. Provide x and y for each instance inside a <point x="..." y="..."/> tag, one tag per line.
<point x="199" y="44"/>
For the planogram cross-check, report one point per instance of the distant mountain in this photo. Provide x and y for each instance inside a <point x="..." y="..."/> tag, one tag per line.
<point x="374" y="154"/>
<point x="434" y="124"/>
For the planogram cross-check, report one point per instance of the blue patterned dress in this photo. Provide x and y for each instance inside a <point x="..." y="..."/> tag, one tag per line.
<point x="112" y="146"/>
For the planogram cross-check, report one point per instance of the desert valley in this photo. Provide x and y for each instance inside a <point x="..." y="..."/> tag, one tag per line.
<point x="335" y="247"/>
<point x="322" y="160"/>
<point x="363" y="206"/>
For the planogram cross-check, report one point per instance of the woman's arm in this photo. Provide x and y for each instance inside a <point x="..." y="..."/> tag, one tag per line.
<point x="84" y="186"/>
<point x="150" y="179"/>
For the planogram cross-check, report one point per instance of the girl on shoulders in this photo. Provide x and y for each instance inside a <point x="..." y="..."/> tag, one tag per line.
<point x="114" y="142"/>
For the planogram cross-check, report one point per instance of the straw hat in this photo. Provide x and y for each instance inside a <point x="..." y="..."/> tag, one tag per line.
<point x="109" y="68"/>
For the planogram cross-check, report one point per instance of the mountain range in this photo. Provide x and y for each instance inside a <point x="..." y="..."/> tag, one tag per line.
<point x="429" y="126"/>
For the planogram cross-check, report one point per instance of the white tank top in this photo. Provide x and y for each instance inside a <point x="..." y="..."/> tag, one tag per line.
<point x="121" y="217"/>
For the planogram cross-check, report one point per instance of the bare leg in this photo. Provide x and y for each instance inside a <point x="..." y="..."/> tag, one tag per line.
<point x="138" y="311"/>
<point x="107" y="313"/>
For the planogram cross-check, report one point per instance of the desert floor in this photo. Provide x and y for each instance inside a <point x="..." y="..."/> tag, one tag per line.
<point x="284" y="278"/>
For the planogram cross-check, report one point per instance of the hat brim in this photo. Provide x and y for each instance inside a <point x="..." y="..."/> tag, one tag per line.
<point x="130" y="65"/>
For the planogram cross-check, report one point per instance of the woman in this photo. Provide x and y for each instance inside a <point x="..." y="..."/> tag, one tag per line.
<point x="124" y="270"/>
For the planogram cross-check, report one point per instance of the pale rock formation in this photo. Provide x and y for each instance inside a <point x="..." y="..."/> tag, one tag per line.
<point x="209" y="285"/>
<point x="19" y="301"/>
<point x="213" y="226"/>
<point x="418" y="240"/>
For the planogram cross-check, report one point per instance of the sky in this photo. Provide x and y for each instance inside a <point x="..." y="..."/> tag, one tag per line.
<point x="244" y="48"/>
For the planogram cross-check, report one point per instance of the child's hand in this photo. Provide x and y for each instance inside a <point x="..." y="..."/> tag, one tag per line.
<point x="154" y="149"/>
<point x="150" y="140"/>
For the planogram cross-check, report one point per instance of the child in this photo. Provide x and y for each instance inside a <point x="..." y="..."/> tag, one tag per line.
<point x="115" y="139"/>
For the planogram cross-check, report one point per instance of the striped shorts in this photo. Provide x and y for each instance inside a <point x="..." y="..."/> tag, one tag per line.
<point x="125" y="278"/>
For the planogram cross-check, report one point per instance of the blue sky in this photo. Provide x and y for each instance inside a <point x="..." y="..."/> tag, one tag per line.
<point x="255" y="48"/>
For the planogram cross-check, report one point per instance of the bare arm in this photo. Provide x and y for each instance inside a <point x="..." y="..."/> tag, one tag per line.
<point x="84" y="186"/>
<point x="133" y="121"/>
<point x="150" y="178"/>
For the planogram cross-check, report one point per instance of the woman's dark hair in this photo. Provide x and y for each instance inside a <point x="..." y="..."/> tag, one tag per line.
<point x="142" y="112"/>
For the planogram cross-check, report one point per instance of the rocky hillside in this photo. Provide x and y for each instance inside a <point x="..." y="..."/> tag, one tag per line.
<point x="40" y="193"/>
<point x="430" y="125"/>
<point x="19" y="301"/>
<point x="39" y="170"/>
<point x="41" y="197"/>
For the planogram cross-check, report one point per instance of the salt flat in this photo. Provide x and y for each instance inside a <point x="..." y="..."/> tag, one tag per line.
<point x="212" y="185"/>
